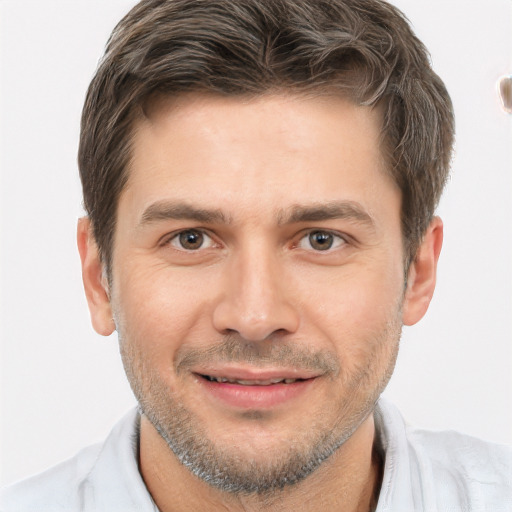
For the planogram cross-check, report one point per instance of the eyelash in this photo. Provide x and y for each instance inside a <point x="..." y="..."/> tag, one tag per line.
<point x="338" y="240"/>
<point x="176" y="237"/>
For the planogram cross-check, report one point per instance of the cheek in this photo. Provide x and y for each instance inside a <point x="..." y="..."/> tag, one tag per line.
<point x="358" y="312"/>
<point x="355" y="295"/>
<point x="160" y="306"/>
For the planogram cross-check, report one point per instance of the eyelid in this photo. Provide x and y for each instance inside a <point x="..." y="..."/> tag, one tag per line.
<point x="169" y="238"/>
<point x="344" y="239"/>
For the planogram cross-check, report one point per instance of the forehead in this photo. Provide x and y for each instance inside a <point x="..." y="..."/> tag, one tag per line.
<point x="269" y="152"/>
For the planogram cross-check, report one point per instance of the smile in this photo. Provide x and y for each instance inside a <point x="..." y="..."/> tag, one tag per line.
<point x="254" y="390"/>
<point x="245" y="382"/>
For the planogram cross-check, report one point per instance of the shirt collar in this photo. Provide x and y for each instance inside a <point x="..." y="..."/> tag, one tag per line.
<point x="116" y="472"/>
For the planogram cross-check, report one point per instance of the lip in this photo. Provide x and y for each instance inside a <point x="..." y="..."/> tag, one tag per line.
<point x="258" y="396"/>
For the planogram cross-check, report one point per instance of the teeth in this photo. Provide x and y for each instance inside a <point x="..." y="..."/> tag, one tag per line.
<point x="267" y="382"/>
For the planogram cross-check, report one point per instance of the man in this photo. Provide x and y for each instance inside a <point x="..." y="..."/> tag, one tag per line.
<point x="260" y="178"/>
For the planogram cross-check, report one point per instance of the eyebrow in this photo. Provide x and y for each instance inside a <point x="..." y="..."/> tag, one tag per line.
<point x="168" y="210"/>
<point x="326" y="211"/>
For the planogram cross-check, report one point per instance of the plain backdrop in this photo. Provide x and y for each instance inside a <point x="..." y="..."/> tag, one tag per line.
<point x="62" y="385"/>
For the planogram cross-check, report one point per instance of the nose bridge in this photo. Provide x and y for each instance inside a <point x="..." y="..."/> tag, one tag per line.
<point x="258" y="287"/>
<point x="256" y="300"/>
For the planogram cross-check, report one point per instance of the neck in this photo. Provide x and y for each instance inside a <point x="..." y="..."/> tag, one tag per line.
<point x="349" y="480"/>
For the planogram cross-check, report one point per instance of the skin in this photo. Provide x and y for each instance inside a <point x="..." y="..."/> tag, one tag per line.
<point x="259" y="294"/>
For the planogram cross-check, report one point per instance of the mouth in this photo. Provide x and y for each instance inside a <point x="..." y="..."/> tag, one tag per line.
<point x="253" y="382"/>
<point x="255" y="390"/>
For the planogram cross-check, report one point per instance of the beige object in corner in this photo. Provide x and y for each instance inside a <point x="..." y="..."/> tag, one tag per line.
<point x="505" y="92"/>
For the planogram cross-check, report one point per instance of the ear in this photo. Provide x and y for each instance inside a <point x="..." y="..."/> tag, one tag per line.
<point x="421" y="279"/>
<point x="94" y="279"/>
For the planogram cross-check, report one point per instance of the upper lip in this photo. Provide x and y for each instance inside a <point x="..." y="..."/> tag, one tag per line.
<point x="257" y="374"/>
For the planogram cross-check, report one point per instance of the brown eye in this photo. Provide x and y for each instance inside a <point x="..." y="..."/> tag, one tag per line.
<point x="321" y="241"/>
<point x="191" y="240"/>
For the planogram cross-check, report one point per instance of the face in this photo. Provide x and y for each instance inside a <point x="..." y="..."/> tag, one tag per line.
<point x="257" y="281"/>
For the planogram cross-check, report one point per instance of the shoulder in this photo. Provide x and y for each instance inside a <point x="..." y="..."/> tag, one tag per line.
<point x="56" y="489"/>
<point x="443" y="470"/>
<point x="478" y="470"/>
<point x="473" y="455"/>
<point x="102" y="477"/>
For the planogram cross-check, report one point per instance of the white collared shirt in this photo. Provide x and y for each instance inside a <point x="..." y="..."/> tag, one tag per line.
<point x="423" y="472"/>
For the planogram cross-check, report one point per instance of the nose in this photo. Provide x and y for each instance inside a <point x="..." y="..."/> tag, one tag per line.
<point x="255" y="301"/>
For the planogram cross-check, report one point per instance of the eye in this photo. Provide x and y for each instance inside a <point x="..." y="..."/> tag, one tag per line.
<point x="321" y="241"/>
<point x="191" y="240"/>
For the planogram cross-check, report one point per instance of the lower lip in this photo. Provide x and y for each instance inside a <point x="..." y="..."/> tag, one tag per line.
<point x="255" y="397"/>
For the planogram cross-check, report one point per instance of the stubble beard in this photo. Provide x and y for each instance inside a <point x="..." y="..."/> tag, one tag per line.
<point x="228" y="468"/>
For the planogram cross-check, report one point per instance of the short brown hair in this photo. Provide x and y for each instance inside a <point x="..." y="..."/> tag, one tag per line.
<point x="362" y="49"/>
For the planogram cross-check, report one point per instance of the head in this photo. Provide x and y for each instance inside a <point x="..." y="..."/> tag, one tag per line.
<point x="258" y="176"/>
<point x="361" y="50"/>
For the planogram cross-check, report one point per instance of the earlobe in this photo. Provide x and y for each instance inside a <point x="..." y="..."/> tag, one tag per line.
<point x="421" y="279"/>
<point x="95" y="283"/>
